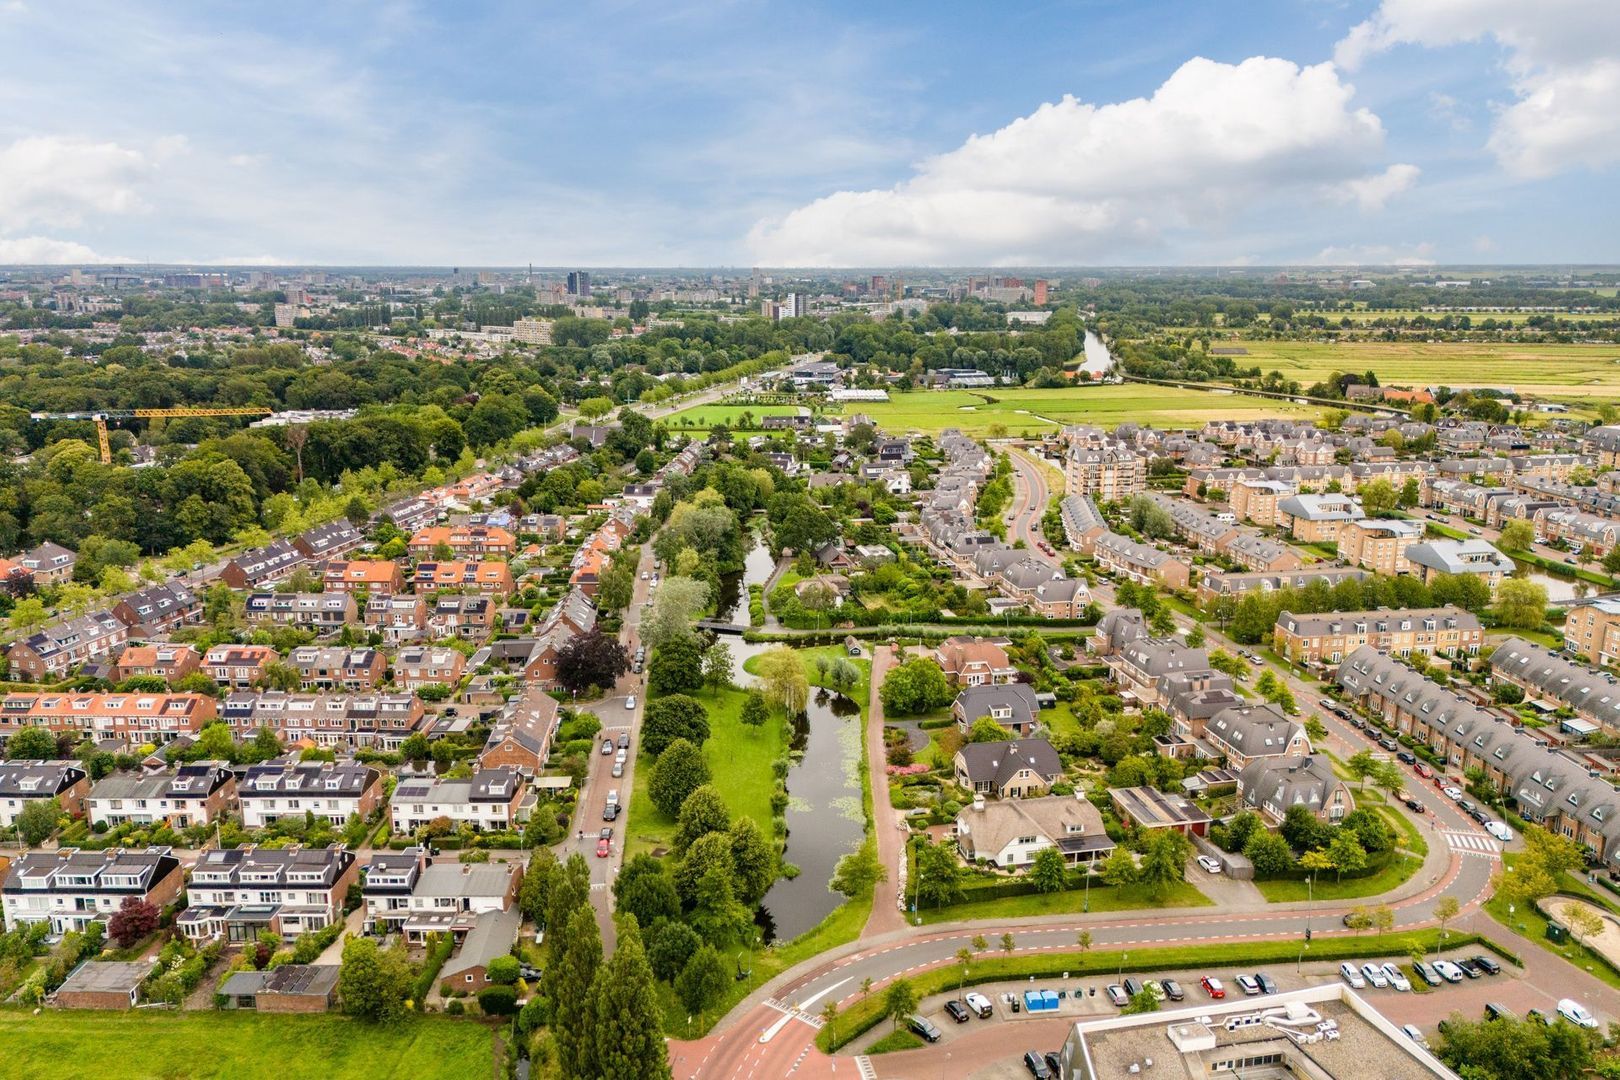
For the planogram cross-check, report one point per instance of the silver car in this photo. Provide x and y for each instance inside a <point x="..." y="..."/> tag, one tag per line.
<point x="1375" y="975"/>
<point x="1352" y="975"/>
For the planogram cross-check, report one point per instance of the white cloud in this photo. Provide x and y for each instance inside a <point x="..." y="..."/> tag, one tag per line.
<point x="61" y="180"/>
<point x="1075" y="182"/>
<point x="1376" y="255"/>
<point x="1372" y="192"/>
<point x="38" y="250"/>
<point x="1563" y="57"/>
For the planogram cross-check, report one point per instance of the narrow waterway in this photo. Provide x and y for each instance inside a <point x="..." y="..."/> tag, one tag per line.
<point x="1098" y="360"/>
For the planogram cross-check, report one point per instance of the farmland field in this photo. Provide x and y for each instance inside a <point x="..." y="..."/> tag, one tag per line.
<point x="1568" y="370"/>
<point x="1041" y="411"/>
<point x="240" y="1046"/>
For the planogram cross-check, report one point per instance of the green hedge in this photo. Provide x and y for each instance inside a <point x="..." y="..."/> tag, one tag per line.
<point x="437" y="954"/>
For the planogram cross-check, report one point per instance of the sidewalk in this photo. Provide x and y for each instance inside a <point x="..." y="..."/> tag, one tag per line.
<point x="887" y="822"/>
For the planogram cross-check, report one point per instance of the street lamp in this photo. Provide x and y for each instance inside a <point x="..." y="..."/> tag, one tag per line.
<point x="1085" y="906"/>
<point x="1310" y="899"/>
<point x="1122" y="958"/>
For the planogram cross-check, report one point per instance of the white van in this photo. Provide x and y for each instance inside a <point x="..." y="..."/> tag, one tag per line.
<point x="1500" y="830"/>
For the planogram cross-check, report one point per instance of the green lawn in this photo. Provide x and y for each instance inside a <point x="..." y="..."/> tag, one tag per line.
<point x="1288" y="890"/>
<point x="1045" y="411"/>
<point x="739" y="758"/>
<point x="895" y="1040"/>
<point x="707" y="416"/>
<point x="1103" y="898"/>
<point x="1536" y="367"/>
<point x="1528" y="922"/>
<point x="236" y="1046"/>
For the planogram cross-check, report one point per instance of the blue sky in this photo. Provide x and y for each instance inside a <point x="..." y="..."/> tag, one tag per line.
<point x="811" y="133"/>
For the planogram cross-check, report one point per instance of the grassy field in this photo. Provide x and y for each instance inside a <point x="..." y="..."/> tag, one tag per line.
<point x="739" y="758"/>
<point x="1288" y="890"/>
<point x="707" y="416"/>
<point x="1103" y="898"/>
<point x="1541" y="369"/>
<point x="236" y="1046"/>
<point x="1040" y="412"/>
<point x="1365" y="315"/>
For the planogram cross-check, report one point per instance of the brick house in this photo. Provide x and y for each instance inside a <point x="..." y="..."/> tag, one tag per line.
<point x="168" y="662"/>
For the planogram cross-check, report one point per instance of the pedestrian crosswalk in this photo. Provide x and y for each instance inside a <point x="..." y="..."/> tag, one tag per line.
<point x="864" y="1064"/>
<point x="1471" y="843"/>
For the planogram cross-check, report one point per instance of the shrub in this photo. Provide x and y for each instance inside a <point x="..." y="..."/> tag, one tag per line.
<point x="497" y="1000"/>
<point x="503" y="970"/>
<point x="455" y="1008"/>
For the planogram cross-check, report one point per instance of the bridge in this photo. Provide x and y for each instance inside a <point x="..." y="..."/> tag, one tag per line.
<point x="720" y="627"/>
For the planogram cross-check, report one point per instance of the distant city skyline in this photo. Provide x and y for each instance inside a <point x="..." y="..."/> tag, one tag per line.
<point x="1079" y="134"/>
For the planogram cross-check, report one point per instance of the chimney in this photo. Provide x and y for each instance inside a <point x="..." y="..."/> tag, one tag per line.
<point x="978" y="802"/>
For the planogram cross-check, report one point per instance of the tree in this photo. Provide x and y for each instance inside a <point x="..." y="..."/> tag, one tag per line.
<point x="1514" y="1049"/>
<point x="670" y="945"/>
<point x="676" y="666"/>
<point x="374" y="983"/>
<point x="1143" y="1001"/>
<point x="676" y="603"/>
<point x="1383" y="919"/>
<point x="754" y="711"/>
<point x="782" y="676"/>
<point x="1377" y="496"/>
<point x="134" y="919"/>
<point x="38" y="819"/>
<point x="1119" y="868"/>
<point x="1269" y="853"/>
<point x="644" y="890"/>
<point x="754" y="860"/>
<point x="590" y="659"/>
<point x="703" y="980"/>
<point x="1315" y="730"/>
<point x="1359" y="919"/>
<point x="1517" y="535"/>
<point x="916" y="686"/>
<point x="1048" y="872"/>
<point x="858" y="872"/>
<point x="1083" y="940"/>
<point x="1539" y="869"/>
<point x="535" y="890"/>
<point x="629" y="1039"/>
<point x="1164" y="862"/>
<point x="717" y="666"/>
<point x="571" y="978"/>
<point x="899" y="1001"/>
<point x="28" y="615"/>
<point x="937" y="876"/>
<point x="1007" y="944"/>
<point x="502" y="970"/>
<point x="1345" y="853"/>
<point x="571" y="888"/>
<point x="679" y="771"/>
<point x="717" y="914"/>
<point x="1362" y="765"/>
<point x="31" y="744"/>
<point x="676" y="716"/>
<point x="1445" y="909"/>
<point x="701" y="813"/>
<point x="1521" y="603"/>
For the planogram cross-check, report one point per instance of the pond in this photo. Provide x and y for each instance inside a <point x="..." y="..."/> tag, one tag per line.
<point x="733" y="601"/>
<point x="825" y="819"/>
<point x="1098" y="360"/>
<point x="1559" y="587"/>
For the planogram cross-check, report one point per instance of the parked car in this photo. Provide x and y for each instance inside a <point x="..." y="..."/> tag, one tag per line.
<point x="607" y="747"/>
<point x="624" y="740"/>
<point x="613" y="797"/>
<point x="1491" y="966"/>
<point x="1411" y="1032"/>
<point x="1054" y="1063"/>
<point x="922" y="1026"/>
<point x="1132" y="986"/>
<point x="606" y="834"/>
<point x="630" y="702"/>
<point x="1352" y="975"/>
<point x="1480" y="816"/>
<point x="1469" y="968"/>
<point x="1212" y="986"/>
<point x="1427" y="973"/>
<point x="603" y="847"/>
<point x="1449" y="971"/>
<point x="1406" y="757"/>
<point x="1118" y="996"/>
<point x="1496" y="1011"/>
<point x="610" y="812"/>
<point x="1036" y="1064"/>
<point x="1423" y="770"/>
<point x="980" y="1004"/>
<point x="1500" y="830"/>
<point x="1268" y="985"/>
<point x="1453" y="793"/>
<point x="1172" y="989"/>
<point x="1415" y="806"/>
<point x="1248" y="984"/>
<point x="1375" y="975"/>
<point x="957" y="1011"/>
<point x="1537" y="1016"/>
<point x="1467" y="806"/>
<point x="1397" y="978"/>
<point x="1576" y="1013"/>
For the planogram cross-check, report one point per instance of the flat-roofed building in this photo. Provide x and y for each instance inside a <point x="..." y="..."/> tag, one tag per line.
<point x="1592" y="629"/>
<point x="1379" y="545"/>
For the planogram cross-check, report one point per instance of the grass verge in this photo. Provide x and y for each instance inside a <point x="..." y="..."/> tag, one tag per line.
<point x="1396" y="872"/>
<point x="895" y="1040"/>
<point x="1103" y="898"/>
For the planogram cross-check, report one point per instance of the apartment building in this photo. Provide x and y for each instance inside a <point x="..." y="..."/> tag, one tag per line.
<point x="375" y="577"/>
<point x="333" y="791"/>
<point x="62" y="646"/>
<point x="238" y="667"/>
<point x="1379" y="545"/>
<point x="1592" y="629"/>
<point x="1110" y="473"/>
<point x="25" y="782"/>
<point x="323" y="612"/>
<point x="70" y="889"/>
<point x="1211" y="587"/>
<point x="237" y="893"/>
<point x="1478" y="558"/>
<point x="1317" y="519"/>
<point x="488" y="800"/>
<point x="163" y="661"/>
<point x="1255" y="501"/>
<point x="128" y="717"/>
<point x="337" y="668"/>
<point x="198" y="793"/>
<point x="1331" y="636"/>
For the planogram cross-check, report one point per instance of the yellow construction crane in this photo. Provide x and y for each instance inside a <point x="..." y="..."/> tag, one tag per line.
<point x="101" y="418"/>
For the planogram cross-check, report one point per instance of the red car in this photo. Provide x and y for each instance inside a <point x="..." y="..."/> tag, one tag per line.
<point x="603" y="846"/>
<point x="1423" y="770"/>
<point x="1212" y="986"/>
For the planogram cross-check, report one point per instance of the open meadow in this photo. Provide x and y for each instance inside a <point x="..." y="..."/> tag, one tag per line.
<point x="1573" y="371"/>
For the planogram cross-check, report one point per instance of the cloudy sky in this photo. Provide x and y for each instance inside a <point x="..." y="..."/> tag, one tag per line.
<point x="812" y="133"/>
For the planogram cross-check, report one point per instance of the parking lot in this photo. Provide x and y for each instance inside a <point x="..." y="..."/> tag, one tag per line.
<point x="992" y="1049"/>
